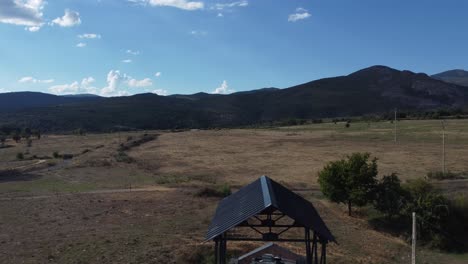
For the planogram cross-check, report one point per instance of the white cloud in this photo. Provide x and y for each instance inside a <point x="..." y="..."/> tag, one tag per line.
<point x="243" y="3"/>
<point x="81" y="45"/>
<point x="220" y="15"/>
<point x="127" y="61"/>
<point x="301" y="10"/>
<point x="89" y="36"/>
<point x="29" y="79"/>
<point x="157" y="74"/>
<point x="160" y="92"/>
<point x="114" y="78"/>
<point x="33" y="29"/>
<point x="85" y="86"/>
<point x="223" y="89"/>
<point x="4" y="90"/>
<point x="140" y="83"/>
<point x="72" y="88"/>
<point x="86" y="82"/>
<point x="133" y="52"/>
<point x="70" y="18"/>
<point x="181" y="4"/>
<point x="198" y="33"/>
<point x="300" y="14"/>
<point x="23" y="13"/>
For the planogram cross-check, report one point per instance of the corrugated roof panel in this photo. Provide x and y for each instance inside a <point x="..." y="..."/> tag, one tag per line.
<point x="258" y="196"/>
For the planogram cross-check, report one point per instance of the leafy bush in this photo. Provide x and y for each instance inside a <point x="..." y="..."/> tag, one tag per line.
<point x="217" y="191"/>
<point x="56" y="155"/>
<point x="20" y="156"/>
<point x="431" y="208"/>
<point x="350" y="181"/>
<point x="390" y="196"/>
<point x="67" y="156"/>
<point x="123" y="157"/>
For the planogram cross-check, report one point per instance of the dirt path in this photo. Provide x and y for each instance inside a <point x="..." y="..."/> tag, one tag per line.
<point x="109" y="191"/>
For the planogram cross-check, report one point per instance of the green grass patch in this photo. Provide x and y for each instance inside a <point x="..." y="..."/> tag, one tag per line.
<point x="45" y="185"/>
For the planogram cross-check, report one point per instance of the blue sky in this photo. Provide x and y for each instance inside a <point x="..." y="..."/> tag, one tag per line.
<point x="120" y="47"/>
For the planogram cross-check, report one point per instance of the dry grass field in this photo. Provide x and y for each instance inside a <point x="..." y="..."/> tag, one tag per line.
<point x="139" y="205"/>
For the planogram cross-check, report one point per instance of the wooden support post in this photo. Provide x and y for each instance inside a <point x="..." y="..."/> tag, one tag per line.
<point x="323" y="257"/>
<point x="315" y="253"/>
<point x="307" y="242"/>
<point x="223" y="249"/>
<point x="216" y="251"/>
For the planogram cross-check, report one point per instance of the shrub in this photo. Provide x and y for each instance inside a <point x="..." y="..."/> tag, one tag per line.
<point x="123" y="157"/>
<point x="431" y="208"/>
<point x="56" y="155"/>
<point x="390" y="196"/>
<point x="20" y="156"/>
<point x="67" y="156"/>
<point x="2" y="140"/>
<point x="350" y="181"/>
<point x="216" y="191"/>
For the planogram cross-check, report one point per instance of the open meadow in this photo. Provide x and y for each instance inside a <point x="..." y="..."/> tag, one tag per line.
<point x="131" y="197"/>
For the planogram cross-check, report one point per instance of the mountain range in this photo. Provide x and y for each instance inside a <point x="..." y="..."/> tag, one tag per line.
<point x="377" y="89"/>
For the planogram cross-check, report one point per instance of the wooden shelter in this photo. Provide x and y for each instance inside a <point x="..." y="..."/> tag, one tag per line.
<point x="262" y="207"/>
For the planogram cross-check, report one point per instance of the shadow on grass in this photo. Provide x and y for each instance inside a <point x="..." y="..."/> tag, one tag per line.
<point x="16" y="176"/>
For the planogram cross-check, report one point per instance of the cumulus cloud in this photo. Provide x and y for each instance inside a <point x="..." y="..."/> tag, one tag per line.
<point x="157" y="74"/>
<point x="29" y="79"/>
<point x="127" y="61"/>
<point x="160" y="92"/>
<point x="2" y="90"/>
<point x="69" y="19"/>
<point x="223" y="89"/>
<point x="85" y="86"/>
<point x="89" y="36"/>
<point x="86" y="82"/>
<point x="33" y="29"/>
<point x="133" y="52"/>
<point x="71" y="88"/>
<point x="218" y="6"/>
<point x="23" y="13"/>
<point x="81" y="45"/>
<point x="300" y="14"/>
<point x="114" y="78"/>
<point x="140" y="83"/>
<point x="181" y="4"/>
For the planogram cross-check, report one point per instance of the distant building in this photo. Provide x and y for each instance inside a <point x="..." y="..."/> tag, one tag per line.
<point x="270" y="253"/>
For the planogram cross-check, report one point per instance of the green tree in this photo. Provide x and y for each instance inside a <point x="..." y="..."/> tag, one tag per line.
<point x="431" y="208"/>
<point x="16" y="137"/>
<point x="36" y="133"/>
<point x="390" y="196"/>
<point x="2" y="140"/>
<point x="350" y="181"/>
<point x="26" y="133"/>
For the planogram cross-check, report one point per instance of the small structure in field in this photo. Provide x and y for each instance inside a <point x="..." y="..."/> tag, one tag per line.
<point x="273" y="213"/>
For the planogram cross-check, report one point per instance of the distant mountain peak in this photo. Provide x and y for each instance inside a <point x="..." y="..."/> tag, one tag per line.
<point x="457" y="76"/>
<point x="375" y="70"/>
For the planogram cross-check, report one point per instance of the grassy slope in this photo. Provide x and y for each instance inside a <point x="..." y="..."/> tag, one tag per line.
<point x="88" y="228"/>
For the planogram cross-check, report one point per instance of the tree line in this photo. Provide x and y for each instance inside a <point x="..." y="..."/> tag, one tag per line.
<point x="353" y="181"/>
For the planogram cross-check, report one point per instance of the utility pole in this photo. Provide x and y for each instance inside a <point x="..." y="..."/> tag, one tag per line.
<point x="394" y="125"/>
<point x="443" y="147"/>
<point x="413" y="240"/>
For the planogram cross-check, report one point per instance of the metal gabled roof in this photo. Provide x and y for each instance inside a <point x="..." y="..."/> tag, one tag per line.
<point x="256" y="197"/>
